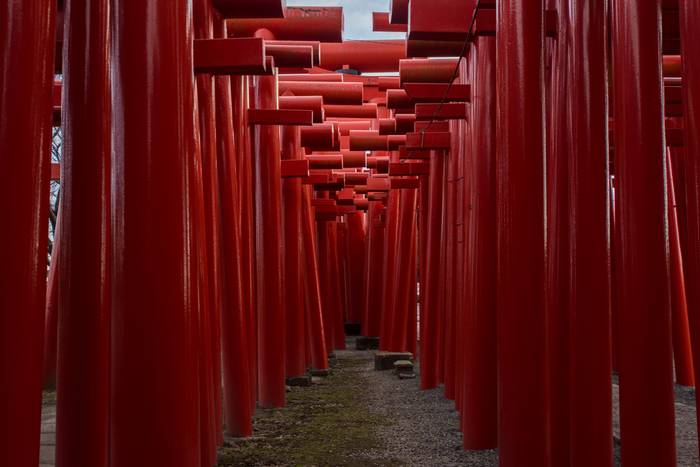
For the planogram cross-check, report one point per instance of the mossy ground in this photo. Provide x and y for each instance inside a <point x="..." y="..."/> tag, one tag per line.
<point x="327" y="424"/>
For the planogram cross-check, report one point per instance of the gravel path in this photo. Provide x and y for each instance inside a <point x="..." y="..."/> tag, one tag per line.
<point x="424" y="429"/>
<point x="399" y="424"/>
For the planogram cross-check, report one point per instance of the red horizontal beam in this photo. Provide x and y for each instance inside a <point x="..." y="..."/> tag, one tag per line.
<point x="280" y="117"/>
<point x="437" y="92"/>
<point x="406" y="153"/>
<point x="351" y="111"/>
<point x="449" y="111"/>
<point x="315" y="46"/>
<point x="250" y="8"/>
<point x="332" y="92"/>
<point x="301" y="56"/>
<point x="294" y="168"/>
<point x="308" y="23"/>
<point x="429" y="140"/>
<point x="380" y="23"/>
<point x="404" y="183"/>
<point x="312" y="103"/>
<point x="230" y="56"/>
<point x="425" y="70"/>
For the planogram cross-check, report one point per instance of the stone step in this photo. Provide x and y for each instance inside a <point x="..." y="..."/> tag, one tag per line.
<point x="385" y="360"/>
<point x="403" y="366"/>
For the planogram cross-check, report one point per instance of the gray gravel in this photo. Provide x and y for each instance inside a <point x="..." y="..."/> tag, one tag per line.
<point x="424" y="429"/>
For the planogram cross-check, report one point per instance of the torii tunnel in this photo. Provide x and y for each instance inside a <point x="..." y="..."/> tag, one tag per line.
<point x="511" y="193"/>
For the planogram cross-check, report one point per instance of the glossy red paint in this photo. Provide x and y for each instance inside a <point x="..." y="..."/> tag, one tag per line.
<point x="82" y="413"/>
<point x="312" y="290"/>
<point x="151" y="277"/>
<point x="479" y="373"/>
<point x="689" y="17"/>
<point x="295" y="331"/>
<point x="640" y="165"/>
<point x="590" y="256"/>
<point x="268" y="252"/>
<point x="520" y="157"/>
<point x="26" y="84"/>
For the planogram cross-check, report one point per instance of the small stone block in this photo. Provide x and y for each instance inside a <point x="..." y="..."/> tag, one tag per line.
<point x="299" y="381"/>
<point x="353" y="329"/>
<point x="321" y="373"/>
<point x="366" y="343"/>
<point x="385" y="360"/>
<point x="316" y="379"/>
<point x="403" y="366"/>
<point x="407" y="375"/>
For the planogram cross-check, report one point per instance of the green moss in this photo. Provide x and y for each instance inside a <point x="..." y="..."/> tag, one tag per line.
<point x="327" y="424"/>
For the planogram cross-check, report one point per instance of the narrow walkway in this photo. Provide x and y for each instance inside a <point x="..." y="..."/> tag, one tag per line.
<point x="357" y="417"/>
<point x="361" y="417"/>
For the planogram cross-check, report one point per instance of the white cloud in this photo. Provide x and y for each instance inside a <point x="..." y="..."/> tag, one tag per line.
<point x="358" y="16"/>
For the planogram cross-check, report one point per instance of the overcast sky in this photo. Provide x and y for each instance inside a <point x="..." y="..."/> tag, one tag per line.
<point x="358" y="16"/>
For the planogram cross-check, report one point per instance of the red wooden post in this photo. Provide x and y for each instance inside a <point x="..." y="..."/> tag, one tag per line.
<point x="589" y="257"/>
<point x="682" y="351"/>
<point x="207" y="235"/>
<point x="82" y="412"/>
<point x="51" y="318"/>
<point x="430" y="294"/>
<point x="480" y="420"/>
<point x="312" y="291"/>
<point x="240" y="96"/>
<point x="238" y="390"/>
<point x="268" y="251"/>
<point x="522" y="432"/>
<point x="557" y="275"/>
<point x="295" y="334"/>
<point x="27" y="46"/>
<point x="646" y="392"/>
<point x="154" y="350"/>
<point x="690" y="18"/>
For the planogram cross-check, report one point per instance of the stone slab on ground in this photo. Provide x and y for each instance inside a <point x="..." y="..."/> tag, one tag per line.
<point x="385" y="360"/>
<point x="366" y="343"/>
<point x="322" y="373"/>
<point x="403" y="366"/>
<point x="299" y="381"/>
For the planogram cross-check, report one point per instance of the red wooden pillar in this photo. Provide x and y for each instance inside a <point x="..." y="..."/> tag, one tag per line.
<point x="154" y="350"/>
<point x="646" y="391"/>
<point x="375" y="276"/>
<point x="51" y="318"/>
<point x="479" y="404"/>
<point x="450" y="265"/>
<point x="268" y="251"/>
<point x="405" y="276"/>
<point x="240" y="100"/>
<point x="391" y="257"/>
<point x="82" y="412"/>
<point x="589" y="256"/>
<point x="312" y="290"/>
<point x="690" y="18"/>
<point x="295" y="335"/>
<point x="430" y="295"/>
<point x="522" y="432"/>
<point x="336" y="288"/>
<point x="27" y="46"/>
<point x="238" y="391"/>
<point x="325" y="282"/>
<point x="356" y="263"/>
<point x="557" y="230"/>
<point x="207" y="232"/>
<point x="682" y="351"/>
